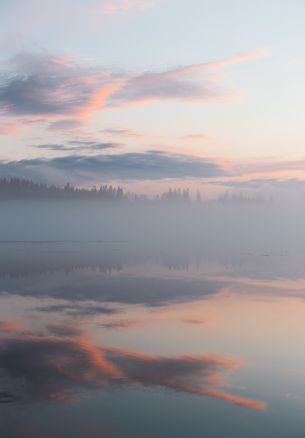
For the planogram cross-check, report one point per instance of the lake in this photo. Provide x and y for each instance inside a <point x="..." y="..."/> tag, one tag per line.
<point x="115" y="339"/>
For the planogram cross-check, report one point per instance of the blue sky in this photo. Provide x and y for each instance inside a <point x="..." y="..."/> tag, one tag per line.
<point x="245" y="112"/>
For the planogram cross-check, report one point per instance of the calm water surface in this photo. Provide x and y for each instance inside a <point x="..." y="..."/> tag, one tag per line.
<point x="111" y="340"/>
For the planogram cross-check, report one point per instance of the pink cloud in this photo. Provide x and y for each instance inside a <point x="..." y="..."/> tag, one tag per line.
<point x="123" y="132"/>
<point x="188" y="83"/>
<point x="195" y="137"/>
<point x="9" y="326"/>
<point x="48" y="87"/>
<point x="123" y="6"/>
<point x="61" y="88"/>
<point x="230" y="60"/>
<point x="55" y="367"/>
<point x="7" y="129"/>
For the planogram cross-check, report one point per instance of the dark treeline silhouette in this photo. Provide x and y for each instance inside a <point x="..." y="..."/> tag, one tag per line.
<point x="16" y="188"/>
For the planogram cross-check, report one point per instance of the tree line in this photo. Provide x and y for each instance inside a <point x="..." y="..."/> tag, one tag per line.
<point x="16" y="188"/>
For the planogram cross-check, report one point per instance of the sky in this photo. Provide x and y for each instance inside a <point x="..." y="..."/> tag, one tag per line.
<point x="152" y="94"/>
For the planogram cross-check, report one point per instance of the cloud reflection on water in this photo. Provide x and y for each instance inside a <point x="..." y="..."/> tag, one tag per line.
<point x="59" y="366"/>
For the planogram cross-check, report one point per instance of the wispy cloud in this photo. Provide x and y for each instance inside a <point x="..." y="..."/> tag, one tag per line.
<point x="195" y="137"/>
<point x="54" y="147"/>
<point x="187" y="83"/>
<point x="63" y="91"/>
<point x="79" y="310"/>
<point x="265" y="165"/>
<point x="93" y="145"/>
<point x="122" y="132"/>
<point x="265" y="187"/>
<point x="65" y="125"/>
<point x="122" y="324"/>
<point x="77" y="146"/>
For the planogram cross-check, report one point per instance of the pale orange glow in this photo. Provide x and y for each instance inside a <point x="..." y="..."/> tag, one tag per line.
<point x="66" y="363"/>
<point x="10" y="128"/>
<point x="98" y="99"/>
<point x="231" y="60"/>
<point x="241" y="401"/>
<point x="121" y="6"/>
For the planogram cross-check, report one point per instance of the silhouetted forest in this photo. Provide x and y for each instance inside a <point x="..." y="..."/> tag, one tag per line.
<point x="18" y="189"/>
<point x="15" y="188"/>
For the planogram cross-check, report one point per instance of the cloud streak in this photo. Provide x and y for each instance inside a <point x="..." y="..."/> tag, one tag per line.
<point x="77" y="145"/>
<point x="65" y="125"/>
<point x="122" y="324"/>
<point x="49" y="87"/>
<point x="56" y="367"/>
<point x="189" y="83"/>
<point x="124" y="132"/>
<point x="129" y="166"/>
<point x="77" y="310"/>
